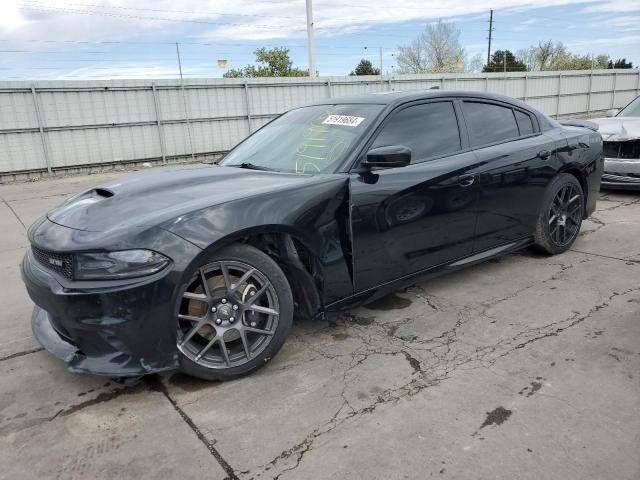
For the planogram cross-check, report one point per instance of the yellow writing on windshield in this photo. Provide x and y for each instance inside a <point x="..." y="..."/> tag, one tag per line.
<point x="316" y="151"/>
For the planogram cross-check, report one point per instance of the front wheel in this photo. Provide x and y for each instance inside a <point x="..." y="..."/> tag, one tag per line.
<point x="561" y="215"/>
<point x="234" y="315"/>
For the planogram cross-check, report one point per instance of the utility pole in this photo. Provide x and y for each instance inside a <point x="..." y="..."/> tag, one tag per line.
<point x="311" y="42"/>
<point x="179" y="61"/>
<point x="184" y="101"/>
<point x="504" y="77"/>
<point x="490" y="31"/>
<point x="380" y="53"/>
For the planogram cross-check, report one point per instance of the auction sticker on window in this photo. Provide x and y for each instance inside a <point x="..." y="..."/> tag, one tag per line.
<point x="344" y="120"/>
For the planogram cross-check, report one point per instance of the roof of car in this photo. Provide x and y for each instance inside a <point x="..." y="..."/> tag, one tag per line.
<point x="390" y="97"/>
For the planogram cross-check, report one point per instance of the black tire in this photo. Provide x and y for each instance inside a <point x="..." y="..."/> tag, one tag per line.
<point x="561" y="215"/>
<point x="277" y="290"/>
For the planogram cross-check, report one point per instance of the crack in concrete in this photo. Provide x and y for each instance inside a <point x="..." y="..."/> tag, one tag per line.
<point x="155" y="384"/>
<point x="102" y="397"/>
<point x="621" y="203"/>
<point x="628" y="261"/>
<point x="21" y="354"/>
<point x="444" y="361"/>
<point x="599" y="225"/>
<point x="14" y="212"/>
<point x="149" y="383"/>
<point x="536" y="334"/>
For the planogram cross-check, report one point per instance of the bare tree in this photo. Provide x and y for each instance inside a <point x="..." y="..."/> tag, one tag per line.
<point x="411" y="58"/>
<point x="436" y="50"/>
<point x="475" y="64"/>
<point x="550" y="53"/>
<point x="529" y="56"/>
<point x="555" y="56"/>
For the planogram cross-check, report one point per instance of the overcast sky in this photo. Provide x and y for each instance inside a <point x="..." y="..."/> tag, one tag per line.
<point x="93" y="39"/>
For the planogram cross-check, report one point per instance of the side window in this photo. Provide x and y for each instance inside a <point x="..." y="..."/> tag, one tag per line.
<point x="525" y="124"/>
<point x="489" y="123"/>
<point x="429" y="130"/>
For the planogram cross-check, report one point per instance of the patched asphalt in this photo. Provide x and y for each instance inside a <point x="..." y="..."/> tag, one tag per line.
<point x="523" y="367"/>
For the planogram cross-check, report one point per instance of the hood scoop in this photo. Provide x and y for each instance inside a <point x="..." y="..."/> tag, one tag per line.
<point x="104" y="192"/>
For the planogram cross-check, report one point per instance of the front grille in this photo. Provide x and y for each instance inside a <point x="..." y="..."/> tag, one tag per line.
<point x="61" y="263"/>
<point x="628" y="150"/>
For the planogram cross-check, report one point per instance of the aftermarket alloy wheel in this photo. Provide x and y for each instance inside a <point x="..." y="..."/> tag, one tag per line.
<point x="234" y="315"/>
<point x="561" y="216"/>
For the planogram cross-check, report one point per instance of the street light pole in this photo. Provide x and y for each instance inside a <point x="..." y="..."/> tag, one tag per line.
<point x="311" y="42"/>
<point x="179" y="60"/>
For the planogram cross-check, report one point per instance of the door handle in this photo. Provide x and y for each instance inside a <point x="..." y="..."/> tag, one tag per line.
<point x="466" y="180"/>
<point x="544" y="154"/>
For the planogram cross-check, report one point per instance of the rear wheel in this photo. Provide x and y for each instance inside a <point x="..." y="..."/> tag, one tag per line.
<point x="561" y="215"/>
<point x="234" y="315"/>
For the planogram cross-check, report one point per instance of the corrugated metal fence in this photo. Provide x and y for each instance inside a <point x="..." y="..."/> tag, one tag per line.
<point x="54" y="125"/>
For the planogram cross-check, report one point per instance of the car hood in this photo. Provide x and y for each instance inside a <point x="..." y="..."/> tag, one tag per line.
<point x="149" y="199"/>
<point x="618" y="129"/>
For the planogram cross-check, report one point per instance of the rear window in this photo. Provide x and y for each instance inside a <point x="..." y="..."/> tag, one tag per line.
<point x="525" y="124"/>
<point x="489" y="123"/>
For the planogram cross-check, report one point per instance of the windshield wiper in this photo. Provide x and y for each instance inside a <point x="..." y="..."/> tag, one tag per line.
<point x="253" y="166"/>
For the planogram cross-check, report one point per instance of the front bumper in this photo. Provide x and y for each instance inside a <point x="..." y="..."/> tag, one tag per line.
<point x="112" y="331"/>
<point x="621" y="173"/>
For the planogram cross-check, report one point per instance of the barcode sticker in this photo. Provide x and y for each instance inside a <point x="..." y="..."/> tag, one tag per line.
<point x="344" y="120"/>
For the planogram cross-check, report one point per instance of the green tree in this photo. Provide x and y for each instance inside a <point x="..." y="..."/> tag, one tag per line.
<point x="620" y="63"/>
<point x="365" y="67"/>
<point x="270" y="63"/>
<point x="498" y="59"/>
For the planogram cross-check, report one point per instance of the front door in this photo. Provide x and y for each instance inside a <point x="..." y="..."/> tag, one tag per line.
<point x="411" y="218"/>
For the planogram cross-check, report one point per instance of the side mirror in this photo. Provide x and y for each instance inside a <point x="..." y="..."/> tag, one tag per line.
<point x="388" y="157"/>
<point x="613" y="112"/>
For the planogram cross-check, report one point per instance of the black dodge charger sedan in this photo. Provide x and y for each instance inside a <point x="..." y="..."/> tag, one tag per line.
<point x="203" y="268"/>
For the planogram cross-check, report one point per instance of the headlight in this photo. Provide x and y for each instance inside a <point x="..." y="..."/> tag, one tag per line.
<point x="114" y="265"/>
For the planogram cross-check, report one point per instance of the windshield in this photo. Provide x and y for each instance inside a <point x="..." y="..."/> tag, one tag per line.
<point x="631" y="110"/>
<point x="306" y="140"/>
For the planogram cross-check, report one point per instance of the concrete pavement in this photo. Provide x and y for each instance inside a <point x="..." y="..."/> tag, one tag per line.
<point x="523" y="367"/>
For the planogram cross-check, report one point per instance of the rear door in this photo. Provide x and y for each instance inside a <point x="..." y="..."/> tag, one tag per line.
<point x="515" y="164"/>
<point x="407" y="219"/>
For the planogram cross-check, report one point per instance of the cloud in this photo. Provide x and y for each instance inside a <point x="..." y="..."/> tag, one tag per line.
<point x="42" y="25"/>
<point x="623" y="23"/>
<point x="131" y="71"/>
<point x="613" y="6"/>
<point x="11" y="18"/>
<point x="238" y="20"/>
<point x="617" y="40"/>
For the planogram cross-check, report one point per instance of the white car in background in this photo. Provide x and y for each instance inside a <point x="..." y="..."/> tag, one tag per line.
<point x="621" y="134"/>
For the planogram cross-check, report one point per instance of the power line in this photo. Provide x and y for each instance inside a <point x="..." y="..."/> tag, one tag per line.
<point x="196" y="12"/>
<point x="45" y="51"/>
<point x="142" y="17"/>
<point x="37" y="6"/>
<point x="93" y="5"/>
